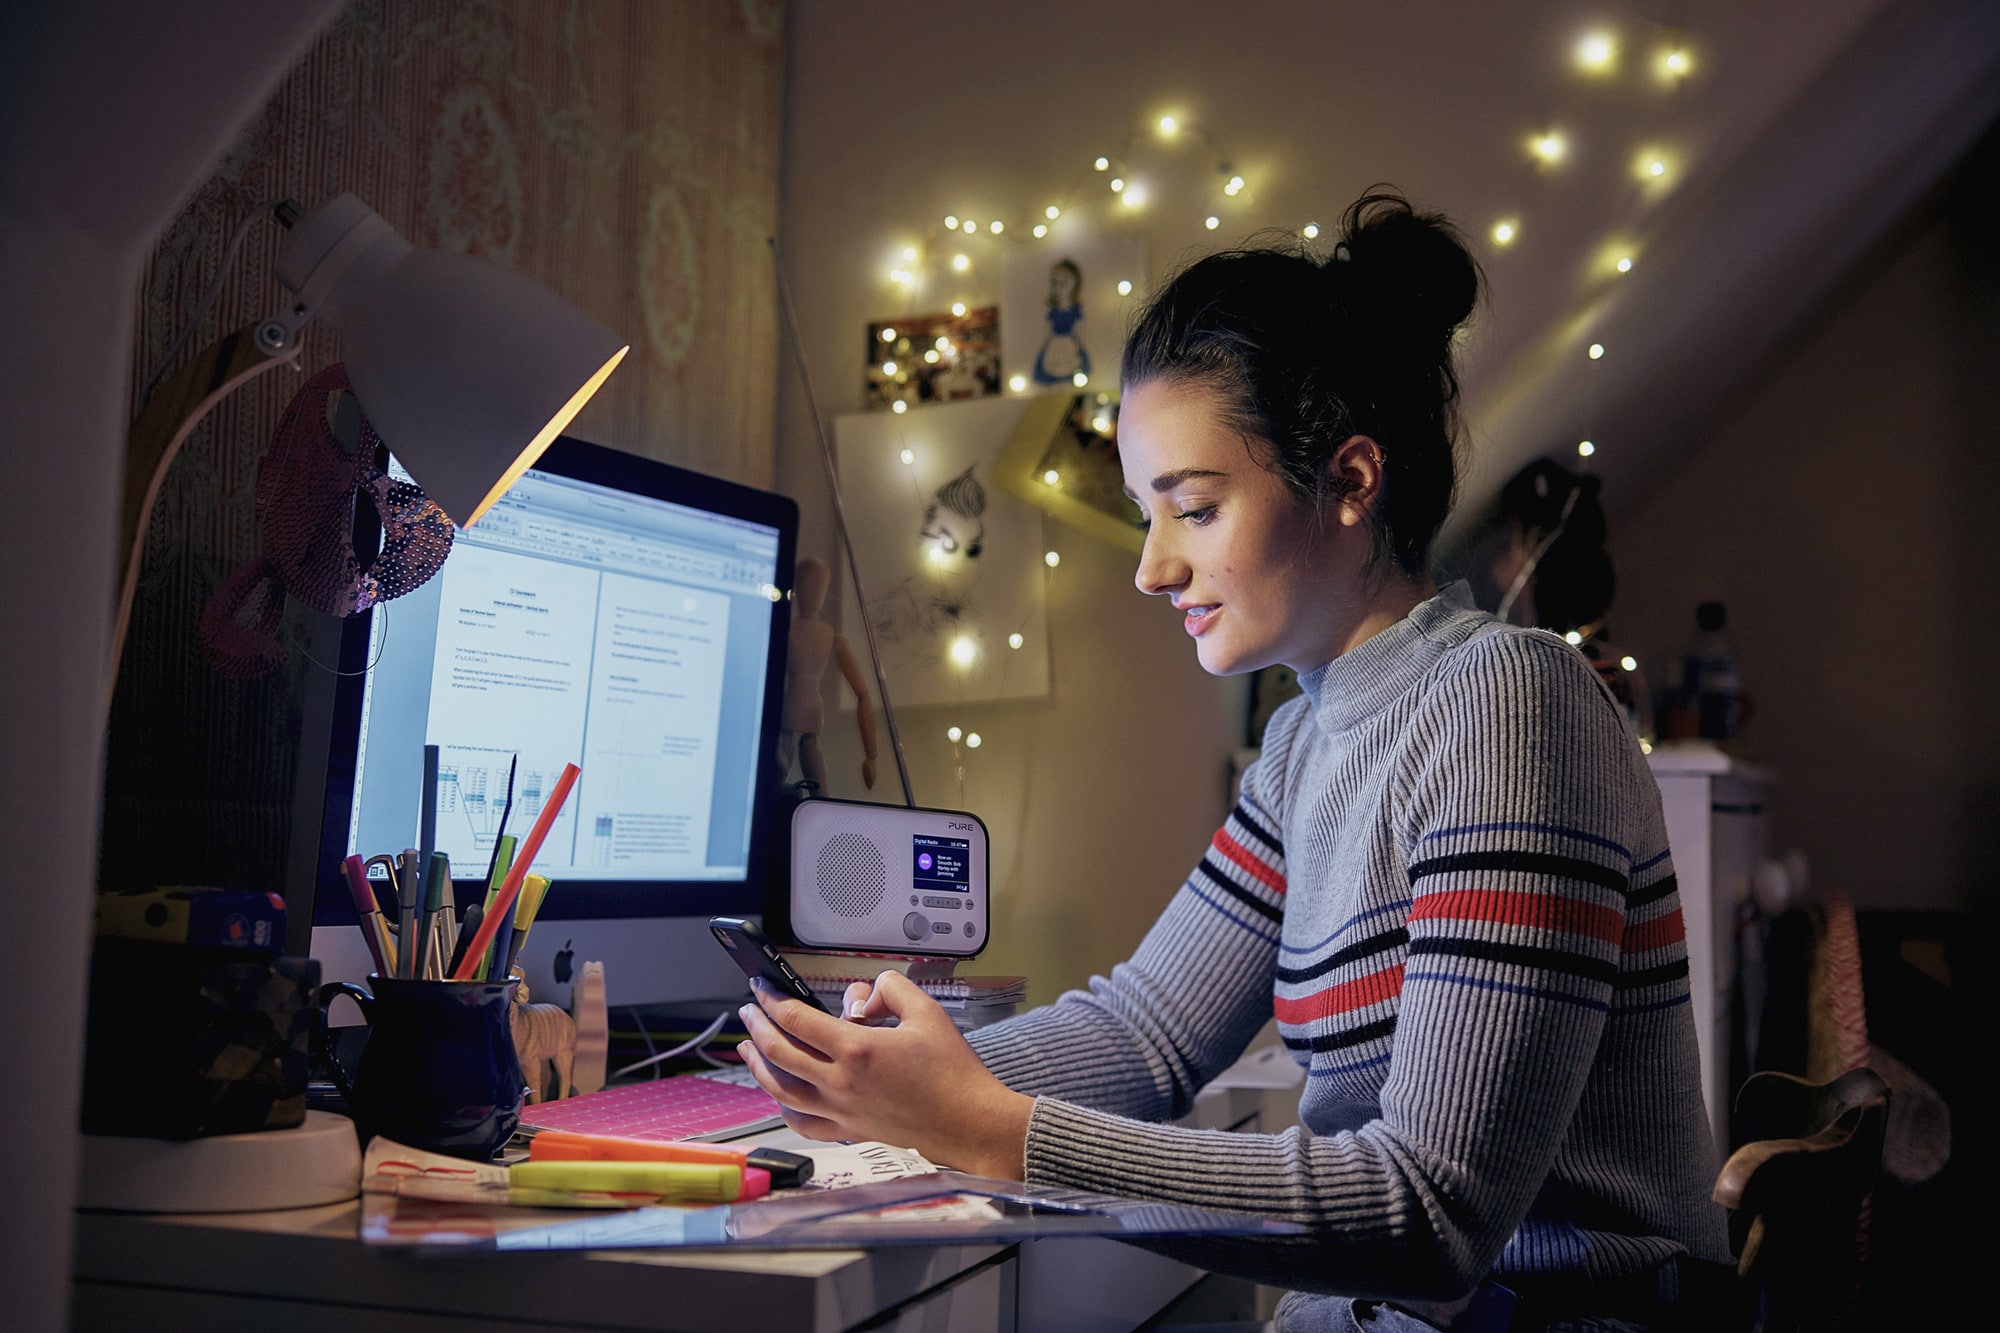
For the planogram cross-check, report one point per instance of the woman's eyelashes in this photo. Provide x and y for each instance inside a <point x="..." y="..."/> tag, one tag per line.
<point x="1199" y="516"/>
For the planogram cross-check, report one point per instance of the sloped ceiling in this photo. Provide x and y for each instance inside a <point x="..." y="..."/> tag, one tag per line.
<point x="1798" y="136"/>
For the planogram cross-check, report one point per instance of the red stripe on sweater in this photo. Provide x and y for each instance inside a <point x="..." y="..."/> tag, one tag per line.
<point x="1247" y="859"/>
<point x="1656" y="934"/>
<point x="1542" y="911"/>
<point x="1344" y="998"/>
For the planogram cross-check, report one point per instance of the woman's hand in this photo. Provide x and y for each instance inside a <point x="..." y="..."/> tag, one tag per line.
<point x="917" y="1085"/>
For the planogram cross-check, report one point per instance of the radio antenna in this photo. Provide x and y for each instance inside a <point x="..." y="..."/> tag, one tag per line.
<point x="840" y="516"/>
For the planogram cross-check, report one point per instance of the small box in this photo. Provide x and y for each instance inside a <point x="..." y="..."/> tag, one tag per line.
<point x="205" y="918"/>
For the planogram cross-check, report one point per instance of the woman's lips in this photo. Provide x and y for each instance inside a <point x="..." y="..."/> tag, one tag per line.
<point x="1197" y="620"/>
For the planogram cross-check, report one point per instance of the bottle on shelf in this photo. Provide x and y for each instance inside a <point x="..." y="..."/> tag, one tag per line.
<point x="1711" y="685"/>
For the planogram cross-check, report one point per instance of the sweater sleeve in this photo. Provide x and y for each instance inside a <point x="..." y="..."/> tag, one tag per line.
<point x="1143" y="1041"/>
<point x="1516" y="790"/>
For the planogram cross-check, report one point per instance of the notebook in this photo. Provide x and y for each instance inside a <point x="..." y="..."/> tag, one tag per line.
<point x="723" y="1104"/>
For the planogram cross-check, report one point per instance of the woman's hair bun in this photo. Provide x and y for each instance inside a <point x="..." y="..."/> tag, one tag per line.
<point x="1405" y="268"/>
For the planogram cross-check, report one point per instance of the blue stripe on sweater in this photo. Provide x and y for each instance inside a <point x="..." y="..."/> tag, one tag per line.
<point x="1331" y="1070"/>
<point x="1652" y="861"/>
<point x="1223" y="908"/>
<point x="1401" y="905"/>
<point x="1556" y="829"/>
<point x="1532" y="992"/>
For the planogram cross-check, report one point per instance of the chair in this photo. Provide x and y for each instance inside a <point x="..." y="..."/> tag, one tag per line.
<point x="1798" y="1193"/>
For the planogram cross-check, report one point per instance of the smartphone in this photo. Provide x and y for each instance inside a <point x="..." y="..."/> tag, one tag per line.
<point x="758" y="957"/>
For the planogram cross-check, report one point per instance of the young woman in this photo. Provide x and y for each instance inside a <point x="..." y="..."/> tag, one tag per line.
<point x="1446" y="875"/>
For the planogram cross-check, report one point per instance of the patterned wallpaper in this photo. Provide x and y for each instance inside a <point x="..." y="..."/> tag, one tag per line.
<point x="624" y="152"/>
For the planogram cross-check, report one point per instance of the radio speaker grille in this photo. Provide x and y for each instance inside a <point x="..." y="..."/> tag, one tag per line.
<point x="852" y="877"/>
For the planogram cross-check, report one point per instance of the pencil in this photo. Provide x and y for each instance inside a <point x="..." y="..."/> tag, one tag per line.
<point x="503" y="906"/>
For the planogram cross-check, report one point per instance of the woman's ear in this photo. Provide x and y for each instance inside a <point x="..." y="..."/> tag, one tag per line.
<point x="1354" y="474"/>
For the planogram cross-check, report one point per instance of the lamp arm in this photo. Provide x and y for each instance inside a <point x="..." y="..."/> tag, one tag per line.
<point x="155" y="440"/>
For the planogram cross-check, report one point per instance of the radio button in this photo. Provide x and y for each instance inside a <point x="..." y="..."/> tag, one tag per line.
<point x="950" y="904"/>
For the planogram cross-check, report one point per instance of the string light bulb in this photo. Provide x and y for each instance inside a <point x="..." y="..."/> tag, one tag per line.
<point x="909" y="456"/>
<point x="1124" y="286"/>
<point x="1052" y="558"/>
<point x="972" y="741"/>
<point x="1310" y="231"/>
<point x="888" y="367"/>
<point x="1018" y="383"/>
<point x="1135" y="195"/>
<point x="1015" y="640"/>
<point x="888" y="334"/>
<point x="1169" y="127"/>
<point x="1101" y="423"/>
<point x="1052" y="212"/>
<point x="996" y="226"/>
<point x="1211" y="222"/>
<point x="930" y="356"/>
<point x="1673" y="65"/>
<point x="960" y="263"/>
<point x="1079" y="379"/>
<point x="1584" y="448"/>
<point x="1504" y="232"/>
<point x="1117" y="184"/>
<point x="899" y="407"/>
<point x="964" y="651"/>
<point x="1041" y="230"/>
<point x="951" y="222"/>
<point x="1596" y="352"/>
<point x="1549" y="148"/>
<point x="1234" y="187"/>
<point x="970" y="226"/>
<point x="1597" y="53"/>
<point x="1101" y="163"/>
<point x="1629" y="663"/>
<point x="954" y="735"/>
<point x="1051" y="477"/>
<point x="958" y="309"/>
<point x="1624" y="263"/>
<point x="1573" y="639"/>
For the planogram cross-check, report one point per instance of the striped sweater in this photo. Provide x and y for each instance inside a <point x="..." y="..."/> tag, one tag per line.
<point x="1447" y="877"/>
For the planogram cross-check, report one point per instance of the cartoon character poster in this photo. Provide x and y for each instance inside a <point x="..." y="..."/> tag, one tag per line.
<point x="1063" y="316"/>
<point x="951" y="562"/>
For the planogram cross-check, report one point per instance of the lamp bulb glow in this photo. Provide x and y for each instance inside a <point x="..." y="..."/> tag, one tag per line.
<point x="958" y="309"/>
<point x="1211" y="222"/>
<point x="1124" y="286"/>
<point x="1310" y="231"/>
<point x="908" y="456"/>
<point x="964" y="650"/>
<point x="1584" y="448"/>
<point x="1597" y="351"/>
<point x="1018" y="383"/>
<point x="899" y="407"/>
<point x="1052" y="559"/>
<point x="1015" y="640"/>
<point x="960" y="263"/>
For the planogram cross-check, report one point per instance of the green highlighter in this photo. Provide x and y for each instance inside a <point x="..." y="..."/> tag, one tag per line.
<point x="503" y="861"/>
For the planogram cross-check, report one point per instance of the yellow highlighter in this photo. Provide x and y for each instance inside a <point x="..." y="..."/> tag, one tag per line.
<point x="630" y="1183"/>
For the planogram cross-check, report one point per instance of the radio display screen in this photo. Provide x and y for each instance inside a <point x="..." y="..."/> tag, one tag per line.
<point x="941" y="863"/>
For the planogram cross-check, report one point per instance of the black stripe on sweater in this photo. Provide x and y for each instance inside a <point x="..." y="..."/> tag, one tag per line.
<point x="1241" y="814"/>
<point x="1229" y="886"/>
<point x="1519" y="955"/>
<point x="1653" y="976"/>
<point x="1374" y="944"/>
<point x="1652" y="893"/>
<point x="1536" y="863"/>
<point x="1346" y="1037"/>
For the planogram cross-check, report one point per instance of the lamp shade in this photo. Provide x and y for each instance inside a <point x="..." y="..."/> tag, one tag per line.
<point x="466" y="369"/>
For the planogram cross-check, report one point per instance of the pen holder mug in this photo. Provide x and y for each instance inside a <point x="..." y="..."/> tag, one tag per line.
<point x="439" y="1070"/>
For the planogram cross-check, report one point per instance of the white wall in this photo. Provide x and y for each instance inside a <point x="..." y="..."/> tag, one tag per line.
<point x="1844" y="510"/>
<point x="1100" y="798"/>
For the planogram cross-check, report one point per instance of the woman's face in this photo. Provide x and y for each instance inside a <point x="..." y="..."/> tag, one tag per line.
<point x="1062" y="286"/>
<point x="1257" y="575"/>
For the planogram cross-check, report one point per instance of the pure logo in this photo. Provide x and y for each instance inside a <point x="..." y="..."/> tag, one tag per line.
<point x="953" y="823"/>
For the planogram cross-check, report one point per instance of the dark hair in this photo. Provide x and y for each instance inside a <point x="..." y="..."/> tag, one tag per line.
<point x="1305" y="352"/>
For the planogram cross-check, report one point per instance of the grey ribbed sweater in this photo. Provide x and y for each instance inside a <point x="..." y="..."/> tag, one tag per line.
<point x="1447" y="876"/>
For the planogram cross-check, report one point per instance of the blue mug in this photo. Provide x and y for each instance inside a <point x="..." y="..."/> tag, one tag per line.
<point x="439" y="1070"/>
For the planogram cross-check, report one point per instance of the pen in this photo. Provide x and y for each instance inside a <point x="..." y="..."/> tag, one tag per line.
<point x="409" y="892"/>
<point x="368" y="912"/>
<point x="494" y="866"/>
<point x="437" y="886"/>
<point x="786" y="1169"/>
<point x="427" y="813"/>
<point x="473" y="914"/>
<point x="533" y="890"/>
<point x="504" y="904"/>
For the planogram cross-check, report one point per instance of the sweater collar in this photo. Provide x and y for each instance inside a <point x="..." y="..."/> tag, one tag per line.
<point x="1361" y="682"/>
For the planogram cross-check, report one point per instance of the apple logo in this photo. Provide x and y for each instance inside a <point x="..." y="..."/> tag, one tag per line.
<point x="565" y="962"/>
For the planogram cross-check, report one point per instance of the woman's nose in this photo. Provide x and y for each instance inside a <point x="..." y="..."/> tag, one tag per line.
<point x="1160" y="569"/>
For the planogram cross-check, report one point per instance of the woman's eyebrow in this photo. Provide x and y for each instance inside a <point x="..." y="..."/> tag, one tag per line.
<point x="1166" y="481"/>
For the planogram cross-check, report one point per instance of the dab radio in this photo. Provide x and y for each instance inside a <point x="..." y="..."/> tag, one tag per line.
<point x="887" y="879"/>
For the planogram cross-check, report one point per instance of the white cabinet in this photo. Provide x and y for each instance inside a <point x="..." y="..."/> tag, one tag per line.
<point x="1719" y="830"/>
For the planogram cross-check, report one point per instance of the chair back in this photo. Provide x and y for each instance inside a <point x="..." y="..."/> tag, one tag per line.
<point x="1798" y="1192"/>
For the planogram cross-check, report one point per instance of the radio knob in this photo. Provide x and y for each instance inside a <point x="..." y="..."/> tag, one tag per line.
<point x="915" y="927"/>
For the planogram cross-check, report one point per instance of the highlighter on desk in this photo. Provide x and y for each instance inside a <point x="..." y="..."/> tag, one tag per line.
<point x="637" y="1182"/>
<point x="787" y="1170"/>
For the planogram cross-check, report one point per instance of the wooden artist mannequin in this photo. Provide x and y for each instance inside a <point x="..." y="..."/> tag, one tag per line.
<point x="813" y="643"/>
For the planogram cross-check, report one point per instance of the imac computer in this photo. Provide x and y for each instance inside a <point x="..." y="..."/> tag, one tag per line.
<point x="612" y="612"/>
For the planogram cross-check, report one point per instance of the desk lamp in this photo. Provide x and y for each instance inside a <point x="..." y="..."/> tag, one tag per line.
<point x="466" y="369"/>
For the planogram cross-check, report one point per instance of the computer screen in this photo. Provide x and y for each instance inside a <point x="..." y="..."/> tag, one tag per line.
<point x="609" y="611"/>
